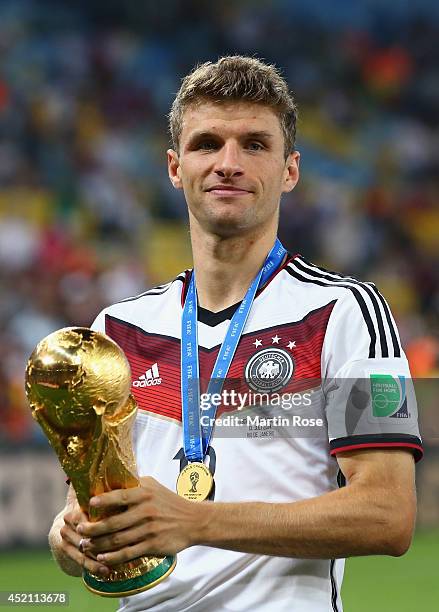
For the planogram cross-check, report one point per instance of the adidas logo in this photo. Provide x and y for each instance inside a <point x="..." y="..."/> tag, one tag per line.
<point x="150" y="378"/>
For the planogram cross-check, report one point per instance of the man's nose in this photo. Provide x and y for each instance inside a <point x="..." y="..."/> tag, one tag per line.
<point x="228" y="163"/>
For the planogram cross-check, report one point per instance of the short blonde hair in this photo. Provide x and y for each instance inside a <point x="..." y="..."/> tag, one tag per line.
<point x="236" y="78"/>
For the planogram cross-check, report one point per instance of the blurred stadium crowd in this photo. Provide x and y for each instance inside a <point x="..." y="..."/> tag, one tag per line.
<point x="84" y="193"/>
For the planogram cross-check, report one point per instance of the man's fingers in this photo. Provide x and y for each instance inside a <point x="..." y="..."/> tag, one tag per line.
<point x="71" y="548"/>
<point x="125" y="554"/>
<point x="115" y="541"/>
<point x="95" y="567"/>
<point x="119" y="497"/>
<point x="71" y="551"/>
<point x="86" y="562"/>
<point x="73" y="518"/>
<point x="70" y="535"/>
<point x="75" y="544"/>
<point x="117" y="522"/>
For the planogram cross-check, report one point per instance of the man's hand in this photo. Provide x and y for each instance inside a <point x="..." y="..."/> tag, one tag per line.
<point x="146" y="520"/>
<point x="72" y="543"/>
<point x="65" y="541"/>
<point x="373" y="514"/>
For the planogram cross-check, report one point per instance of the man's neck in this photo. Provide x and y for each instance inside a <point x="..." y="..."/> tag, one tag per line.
<point x="225" y="267"/>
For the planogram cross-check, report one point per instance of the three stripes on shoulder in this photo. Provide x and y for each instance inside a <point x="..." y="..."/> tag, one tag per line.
<point x="384" y="341"/>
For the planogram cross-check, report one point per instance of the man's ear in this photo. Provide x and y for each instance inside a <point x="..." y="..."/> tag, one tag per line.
<point x="291" y="171"/>
<point x="174" y="169"/>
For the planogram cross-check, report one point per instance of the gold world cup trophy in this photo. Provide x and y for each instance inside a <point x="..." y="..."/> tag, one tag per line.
<point x="78" y="386"/>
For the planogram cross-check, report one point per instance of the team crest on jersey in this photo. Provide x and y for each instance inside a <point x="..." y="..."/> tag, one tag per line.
<point x="269" y="370"/>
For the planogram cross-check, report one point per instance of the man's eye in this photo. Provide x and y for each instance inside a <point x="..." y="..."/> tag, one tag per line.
<point x="255" y="146"/>
<point x="207" y="145"/>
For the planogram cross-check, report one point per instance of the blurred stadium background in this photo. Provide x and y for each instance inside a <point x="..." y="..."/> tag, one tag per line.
<point x="87" y="215"/>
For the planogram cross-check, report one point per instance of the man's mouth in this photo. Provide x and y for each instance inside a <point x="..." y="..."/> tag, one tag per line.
<point x="227" y="190"/>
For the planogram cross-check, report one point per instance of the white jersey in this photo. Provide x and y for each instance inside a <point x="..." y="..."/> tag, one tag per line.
<point x="325" y="342"/>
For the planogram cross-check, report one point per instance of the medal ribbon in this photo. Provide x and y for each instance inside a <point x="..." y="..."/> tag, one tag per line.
<point x="196" y="438"/>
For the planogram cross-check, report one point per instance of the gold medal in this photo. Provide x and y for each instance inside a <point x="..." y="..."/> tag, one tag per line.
<point x="195" y="482"/>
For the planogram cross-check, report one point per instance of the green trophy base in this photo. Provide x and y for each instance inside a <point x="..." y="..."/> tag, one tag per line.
<point x="115" y="587"/>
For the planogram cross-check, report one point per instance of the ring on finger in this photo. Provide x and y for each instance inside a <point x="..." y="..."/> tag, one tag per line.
<point x="81" y="544"/>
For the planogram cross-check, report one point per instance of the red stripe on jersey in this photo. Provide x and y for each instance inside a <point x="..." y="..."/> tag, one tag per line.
<point x="418" y="455"/>
<point x="161" y="395"/>
<point x="307" y="334"/>
<point x="143" y="350"/>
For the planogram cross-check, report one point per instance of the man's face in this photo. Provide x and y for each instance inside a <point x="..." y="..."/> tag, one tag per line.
<point x="231" y="166"/>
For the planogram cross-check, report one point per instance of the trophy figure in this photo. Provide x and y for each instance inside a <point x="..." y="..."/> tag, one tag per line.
<point x="78" y="386"/>
<point x="194" y="479"/>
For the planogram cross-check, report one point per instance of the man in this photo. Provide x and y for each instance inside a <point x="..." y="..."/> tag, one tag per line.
<point x="279" y="528"/>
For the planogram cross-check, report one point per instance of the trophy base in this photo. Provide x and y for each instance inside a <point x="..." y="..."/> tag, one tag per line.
<point x="118" y="586"/>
